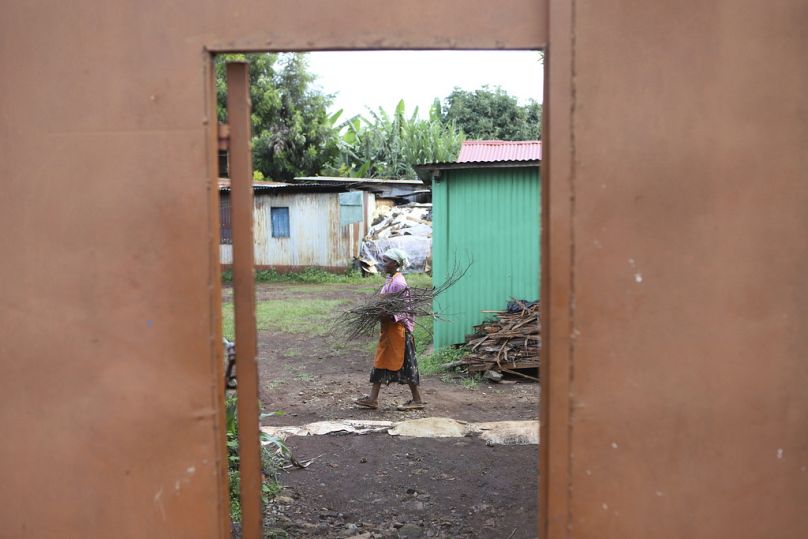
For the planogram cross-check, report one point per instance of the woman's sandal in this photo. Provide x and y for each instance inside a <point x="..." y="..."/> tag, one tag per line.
<point x="410" y="405"/>
<point x="365" y="402"/>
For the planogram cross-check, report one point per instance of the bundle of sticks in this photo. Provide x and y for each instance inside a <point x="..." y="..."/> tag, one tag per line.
<point x="363" y="320"/>
<point x="509" y="344"/>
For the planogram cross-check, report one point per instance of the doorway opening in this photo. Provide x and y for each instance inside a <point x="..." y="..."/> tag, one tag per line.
<point x="307" y="376"/>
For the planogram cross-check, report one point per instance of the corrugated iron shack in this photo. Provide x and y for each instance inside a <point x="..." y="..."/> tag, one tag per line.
<point x="301" y="226"/>
<point x="398" y="191"/>
<point x="485" y="213"/>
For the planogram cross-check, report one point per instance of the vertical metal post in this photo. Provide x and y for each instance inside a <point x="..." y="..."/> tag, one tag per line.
<point x="217" y="350"/>
<point x="238" y="114"/>
<point x="544" y="294"/>
<point x="558" y="290"/>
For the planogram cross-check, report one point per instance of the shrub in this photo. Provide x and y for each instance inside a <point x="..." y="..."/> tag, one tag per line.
<point x="274" y="454"/>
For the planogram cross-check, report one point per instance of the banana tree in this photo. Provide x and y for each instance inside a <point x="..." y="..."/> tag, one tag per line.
<point x="382" y="145"/>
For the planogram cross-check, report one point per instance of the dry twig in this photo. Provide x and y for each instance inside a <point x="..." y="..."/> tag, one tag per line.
<point x="363" y="319"/>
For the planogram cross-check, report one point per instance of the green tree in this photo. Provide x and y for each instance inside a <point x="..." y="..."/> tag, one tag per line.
<point x="492" y="114"/>
<point x="388" y="146"/>
<point x="293" y="135"/>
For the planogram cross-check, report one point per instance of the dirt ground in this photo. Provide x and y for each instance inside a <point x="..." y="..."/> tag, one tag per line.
<point x="377" y="485"/>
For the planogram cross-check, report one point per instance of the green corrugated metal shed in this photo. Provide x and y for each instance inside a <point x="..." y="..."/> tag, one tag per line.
<point x="487" y="214"/>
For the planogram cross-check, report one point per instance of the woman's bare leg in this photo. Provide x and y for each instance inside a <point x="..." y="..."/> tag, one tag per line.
<point x="374" y="392"/>
<point x="416" y="395"/>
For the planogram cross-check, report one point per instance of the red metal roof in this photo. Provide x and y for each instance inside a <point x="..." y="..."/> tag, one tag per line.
<point x="488" y="151"/>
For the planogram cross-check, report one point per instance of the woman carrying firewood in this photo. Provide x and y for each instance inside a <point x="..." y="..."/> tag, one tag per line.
<point x="395" y="354"/>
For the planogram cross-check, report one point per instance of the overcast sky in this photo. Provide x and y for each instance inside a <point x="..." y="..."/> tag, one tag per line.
<point x="381" y="78"/>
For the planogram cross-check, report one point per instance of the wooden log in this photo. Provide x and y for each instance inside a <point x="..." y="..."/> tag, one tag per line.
<point x="452" y="365"/>
<point x="516" y="373"/>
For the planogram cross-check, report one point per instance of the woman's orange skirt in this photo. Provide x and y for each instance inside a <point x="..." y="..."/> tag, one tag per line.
<point x="390" y="351"/>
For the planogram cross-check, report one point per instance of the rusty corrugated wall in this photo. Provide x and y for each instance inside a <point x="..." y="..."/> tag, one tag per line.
<point x="316" y="237"/>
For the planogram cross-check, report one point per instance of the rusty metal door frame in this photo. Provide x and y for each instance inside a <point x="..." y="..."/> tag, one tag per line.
<point x="557" y="291"/>
<point x="241" y="176"/>
<point x="557" y="196"/>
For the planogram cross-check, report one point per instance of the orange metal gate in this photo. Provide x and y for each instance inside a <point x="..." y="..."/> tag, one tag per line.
<point x="675" y="197"/>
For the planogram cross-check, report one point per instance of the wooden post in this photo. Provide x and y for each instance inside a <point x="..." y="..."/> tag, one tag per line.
<point x="238" y="113"/>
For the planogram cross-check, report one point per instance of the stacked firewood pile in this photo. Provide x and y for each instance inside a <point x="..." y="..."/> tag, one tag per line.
<point x="508" y="344"/>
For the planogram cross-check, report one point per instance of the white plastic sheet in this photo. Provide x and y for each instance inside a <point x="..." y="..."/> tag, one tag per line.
<point x="492" y="432"/>
<point x="402" y="227"/>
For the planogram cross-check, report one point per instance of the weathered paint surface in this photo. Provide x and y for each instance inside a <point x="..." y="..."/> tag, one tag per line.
<point x="489" y="218"/>
<point x="691" y="379"/>
<point x="678" y="296"/>
<point x="316" y="237"/>
<point x="110" y="336"/>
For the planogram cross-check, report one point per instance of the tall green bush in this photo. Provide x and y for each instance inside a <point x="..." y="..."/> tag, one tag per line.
<point x="491" y="114"/>
<point x="274" y="454"/>
<point x="293" y="135"/>
<point x="388" y="146"/>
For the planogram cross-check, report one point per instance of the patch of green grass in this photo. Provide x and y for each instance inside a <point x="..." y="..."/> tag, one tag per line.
<point x="306" y="276"/>
<point x="471" y="382"/>
<point x="419" y="280"/>
<point x="274" y="455"/>
<point x="320" y="276"/>
<point x="228" y="321"/>
<point x="312" y="316"/>
<point x="431" y="363"/>
<point x="422" y="332"/>
<point x="371" y="289"/>
<point x="304" y="377"/>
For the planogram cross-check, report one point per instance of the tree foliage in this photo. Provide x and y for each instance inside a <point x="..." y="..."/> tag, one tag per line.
<point x="492" y="114"/>
<point x="293" y="135"/>
<point x="387" y="146"/>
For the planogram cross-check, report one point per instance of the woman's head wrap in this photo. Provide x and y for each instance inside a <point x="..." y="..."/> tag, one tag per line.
<point x="398" y="255"/>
